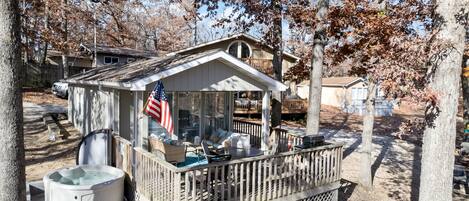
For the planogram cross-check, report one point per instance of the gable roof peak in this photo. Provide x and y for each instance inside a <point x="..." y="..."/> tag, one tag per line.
<point x="230" y="37"/>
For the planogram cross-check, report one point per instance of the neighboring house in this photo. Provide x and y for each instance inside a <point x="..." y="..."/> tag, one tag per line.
<point x="248" y="49"/>
<point x="107" y="55"/>
<point x="77" y="61"/>
<point x="52" y="70"/>
<point x="347" y="93"/>
<point x="336" y="91"/>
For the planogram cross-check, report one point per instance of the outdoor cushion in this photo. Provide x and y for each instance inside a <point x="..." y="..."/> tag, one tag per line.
<point x="214" y="138"/>
<point x="213" y="144"/>
<point x="193" y="160"/>
<point x="222" y="133"/>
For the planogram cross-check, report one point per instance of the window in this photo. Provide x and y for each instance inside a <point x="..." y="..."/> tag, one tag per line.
<point x="233" y="49"/>
<point x="188" y="115"/>
<point x="239" y="49"/>
<point x="111" y="60"/>
<point x="130" y="60"/>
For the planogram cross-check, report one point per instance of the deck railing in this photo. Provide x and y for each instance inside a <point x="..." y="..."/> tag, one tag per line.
<point x="122" y="154"/>
<point x="289" y="106"/>
<point x="290" y="175"/>
<point x="284" y="141"/>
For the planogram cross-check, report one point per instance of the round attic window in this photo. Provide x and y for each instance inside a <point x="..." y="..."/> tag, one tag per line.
<point x="240" y="49"/>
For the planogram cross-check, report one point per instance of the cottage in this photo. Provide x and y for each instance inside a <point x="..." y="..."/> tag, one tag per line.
<point x="200" y="87"/>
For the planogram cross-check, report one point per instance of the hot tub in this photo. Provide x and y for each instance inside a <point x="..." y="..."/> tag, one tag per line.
<point x="85" y="182"/>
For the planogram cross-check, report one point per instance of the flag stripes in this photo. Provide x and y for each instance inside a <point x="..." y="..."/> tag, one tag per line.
<point x="158" y="107"/>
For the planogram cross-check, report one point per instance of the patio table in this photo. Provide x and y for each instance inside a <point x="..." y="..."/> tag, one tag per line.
<point x="237" y="153"/>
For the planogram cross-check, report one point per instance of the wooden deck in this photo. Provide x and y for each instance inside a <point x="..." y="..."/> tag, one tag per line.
<point x="312" y="174"/>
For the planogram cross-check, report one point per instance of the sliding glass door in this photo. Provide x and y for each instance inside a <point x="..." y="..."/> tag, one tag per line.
<point x="196" y="114"/>
<point x="214" y="112"/>
<point x="188" y="112"/>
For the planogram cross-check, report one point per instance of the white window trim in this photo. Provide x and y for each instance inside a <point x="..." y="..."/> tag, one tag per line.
<point x="239" y="42"/>
<point x="111" y="57"/>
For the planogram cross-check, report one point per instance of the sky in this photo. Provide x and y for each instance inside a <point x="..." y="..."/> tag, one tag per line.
<point x="208" y="33"/>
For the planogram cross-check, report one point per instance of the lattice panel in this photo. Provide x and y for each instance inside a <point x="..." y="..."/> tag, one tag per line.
<point x="327" y="196"/>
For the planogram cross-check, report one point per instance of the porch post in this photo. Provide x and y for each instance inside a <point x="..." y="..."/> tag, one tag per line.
<point x="142" y="120"/>
<point x="265" y="120"/>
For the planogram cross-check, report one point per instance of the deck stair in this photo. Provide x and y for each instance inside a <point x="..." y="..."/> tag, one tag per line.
<point x="35" y="191"/>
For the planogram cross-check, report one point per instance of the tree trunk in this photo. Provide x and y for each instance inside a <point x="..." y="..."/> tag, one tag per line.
<point x="65" y="66"/>
<point x="276" y="116"/>
<point x="365" y="179"/>
<point x="65" y="50"/>
<point x="315" y="78"/>
<point x="46" y="27"/>
<point x="12" y="172"/>
<point x="436" y="179"/>
<point x="465" y="91"/>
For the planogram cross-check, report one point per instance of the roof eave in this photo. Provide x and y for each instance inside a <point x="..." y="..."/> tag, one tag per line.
<point x="114" y="85"/>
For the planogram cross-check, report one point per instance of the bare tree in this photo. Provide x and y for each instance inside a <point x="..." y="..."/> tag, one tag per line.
<point x="276" y="32"/>
<point x="436" y="180"/>
<point x="65" y="68"/>
<point x="12" y="171"/>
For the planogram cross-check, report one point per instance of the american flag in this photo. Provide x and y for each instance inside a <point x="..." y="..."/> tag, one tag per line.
<point x="158" y="107"/>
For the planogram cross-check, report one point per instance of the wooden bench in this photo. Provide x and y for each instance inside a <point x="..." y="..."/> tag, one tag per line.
<point x="52" y="127"/>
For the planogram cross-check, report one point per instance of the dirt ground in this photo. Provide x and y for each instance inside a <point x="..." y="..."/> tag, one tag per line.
<point x="396" y="159"/>
<point x="42" y="97"/>
<point x="41" y="154"/>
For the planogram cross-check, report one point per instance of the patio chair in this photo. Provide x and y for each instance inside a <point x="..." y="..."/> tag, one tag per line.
<point x="212" y="156"/>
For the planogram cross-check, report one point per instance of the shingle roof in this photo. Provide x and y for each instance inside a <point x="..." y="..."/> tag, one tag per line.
<point x="120" y="51"/>
<point x="136" y="70"/>
<point x="335" y="81"/>
<point x="56" y="53"/>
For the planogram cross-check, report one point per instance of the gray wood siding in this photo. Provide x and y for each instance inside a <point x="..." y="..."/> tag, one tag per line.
<point x="125" y="113"/>
<point x="91" y="108"/>
<point x="212" y="76"/>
